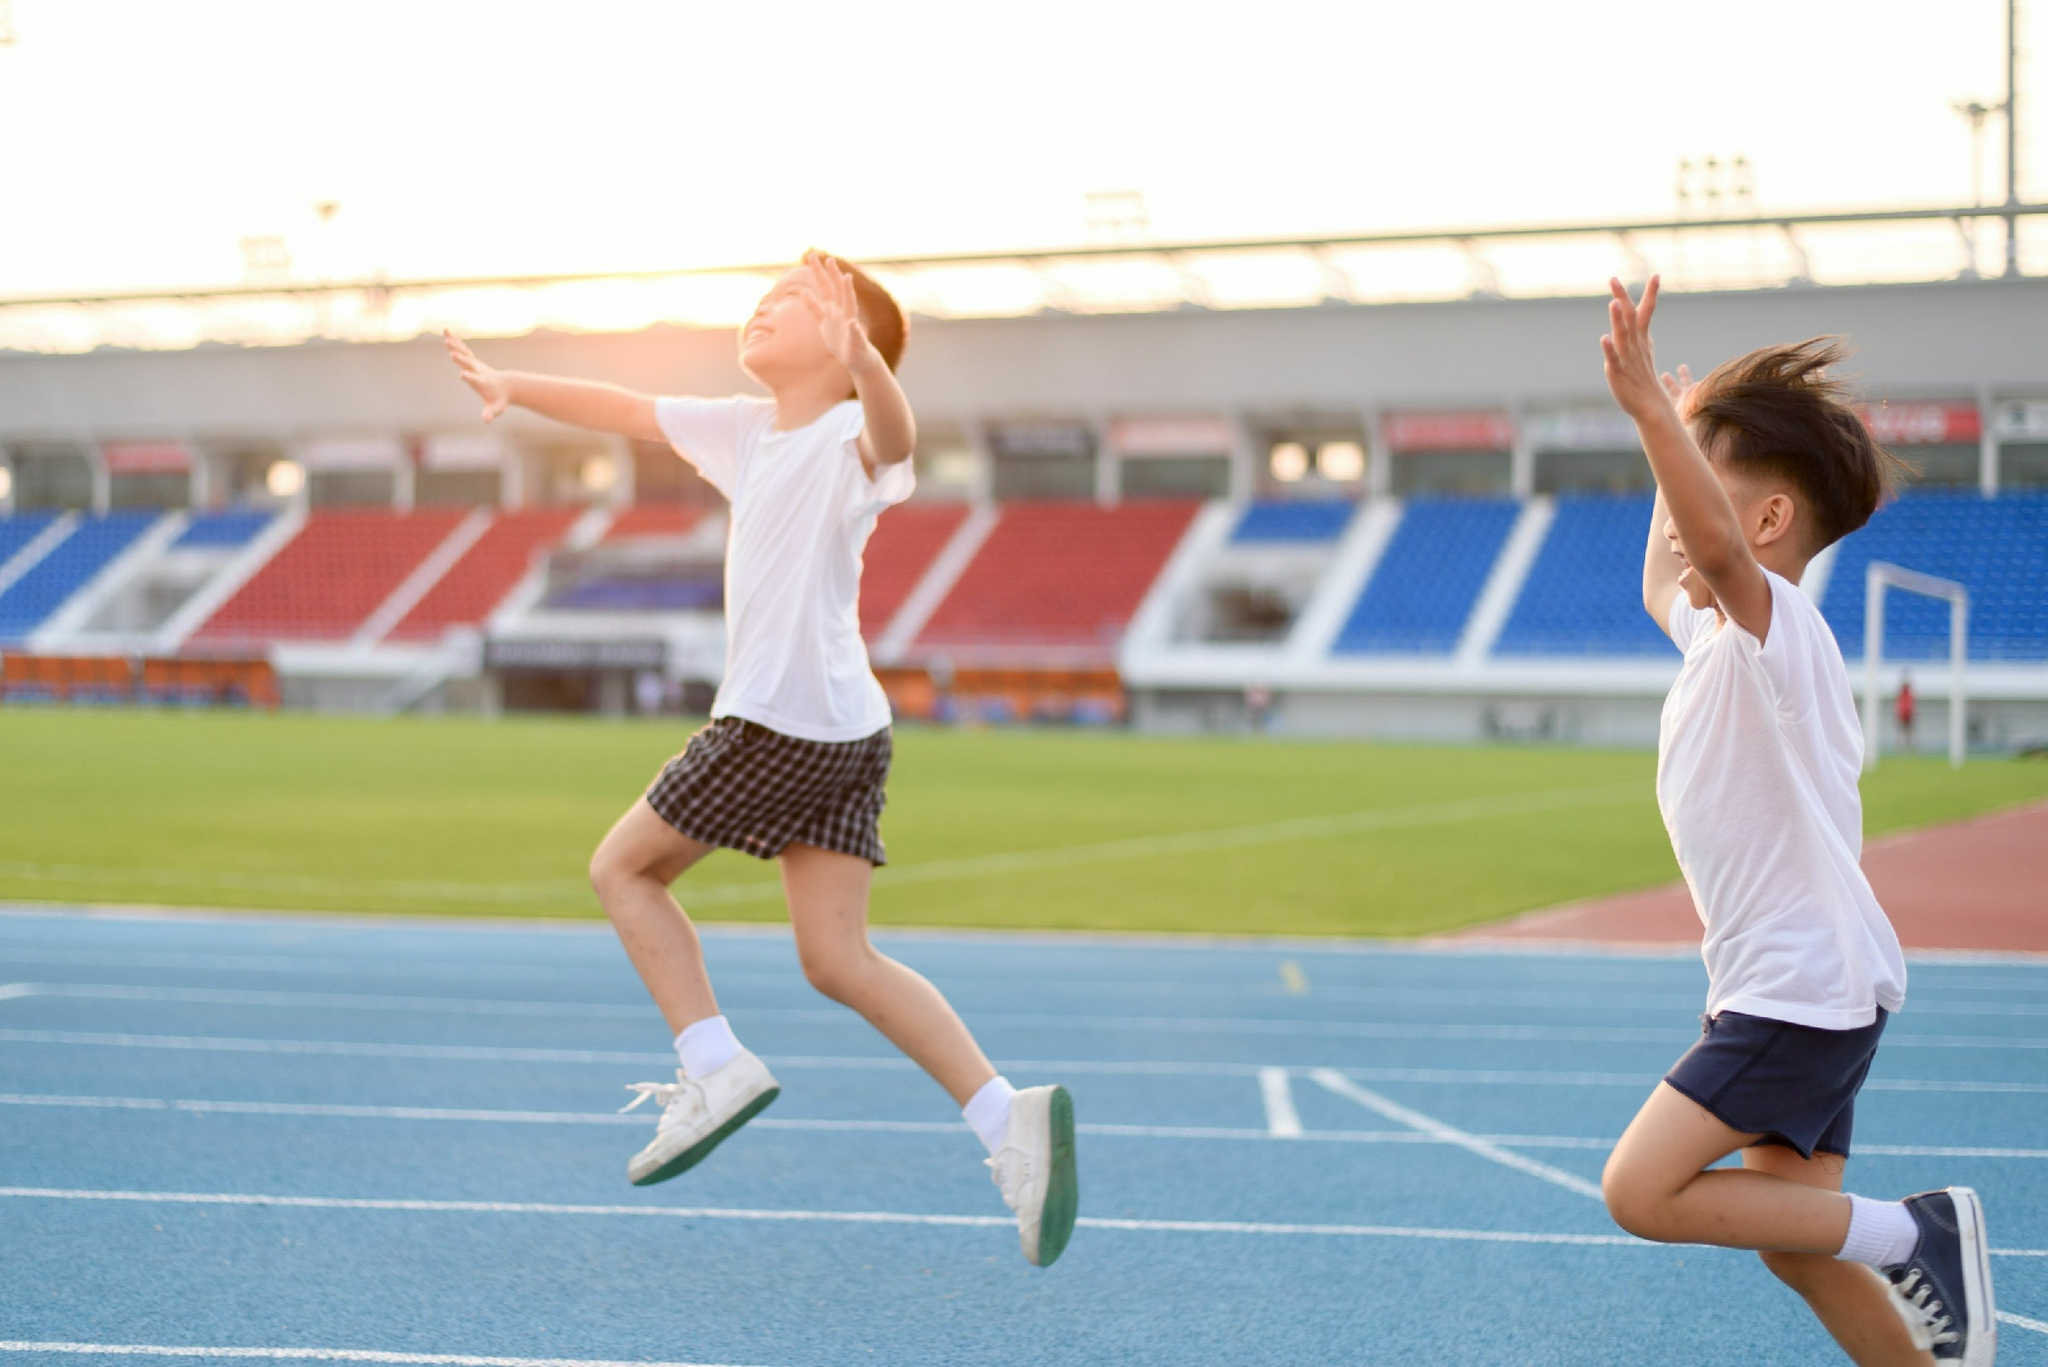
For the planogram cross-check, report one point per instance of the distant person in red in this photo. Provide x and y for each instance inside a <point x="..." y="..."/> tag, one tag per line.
<point x="1906" y="707"/>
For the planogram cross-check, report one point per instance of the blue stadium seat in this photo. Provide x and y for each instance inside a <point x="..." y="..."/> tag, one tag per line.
<point x="227" y="527"/>
<point x="62" y="572"/>
<point x="1584" y="594"/>
<point x="17" y="531"/>
<point x="1432" y="571"/>
<point x="1997" y="546"/>
<point x="1293" y="522"/>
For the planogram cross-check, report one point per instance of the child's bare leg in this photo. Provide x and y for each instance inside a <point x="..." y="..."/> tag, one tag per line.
<point x="828" y="907"/>
<point x="1849" y="1299"/>
<point x="632" y="870"/>
<point x="1657" y="1187"/>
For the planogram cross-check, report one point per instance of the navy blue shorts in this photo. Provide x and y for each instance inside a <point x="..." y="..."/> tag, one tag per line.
<point x="1792" y="1084"/>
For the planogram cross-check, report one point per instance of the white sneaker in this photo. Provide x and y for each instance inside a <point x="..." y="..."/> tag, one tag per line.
<point x="1034" y="1169"/>
<point x="697" y="1114"/>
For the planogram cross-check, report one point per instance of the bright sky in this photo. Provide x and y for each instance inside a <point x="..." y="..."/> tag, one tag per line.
<point x="148" y="138"/>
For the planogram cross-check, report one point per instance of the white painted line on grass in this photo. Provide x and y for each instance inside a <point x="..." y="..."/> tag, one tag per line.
<point x="976" y="866"/>
<point x="1332" y="1080"/>
<point x="2021" y="1321"/>
<point x="1282" y="1120"/>
<point x="171" y="1350"/>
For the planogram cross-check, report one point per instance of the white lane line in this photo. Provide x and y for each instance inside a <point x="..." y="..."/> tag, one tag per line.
<point x="339" y="1110"/>
<point x="1679" y="998"/>
<point x="231" y="1045"/>
<point x="1282" y="1120"/>
<point x="176" y="1350"/>
<point x="1462" y="1077"/>
<point x="1332" y="1080"/>
<point x="9" y="991"/>
<point x="855" y="1217"/>
<point x="2021" y="1321"/>
<point x="1176" y="1025"/>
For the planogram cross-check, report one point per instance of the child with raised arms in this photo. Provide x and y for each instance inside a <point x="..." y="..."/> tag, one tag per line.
<point x="792" y="766"/>
<point x="1759" y="467"/>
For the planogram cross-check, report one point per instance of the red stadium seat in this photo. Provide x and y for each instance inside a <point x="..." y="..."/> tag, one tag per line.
<point x="327" y="580"/>
<point x="654" y="519"/>
<point x="907" y="539"/>
<point x="479" y="581"/>
<point x="1069" y="575"/>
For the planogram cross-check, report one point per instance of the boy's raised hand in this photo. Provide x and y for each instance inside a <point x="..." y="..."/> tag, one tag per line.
<point x="831" y="301"/>
<point x="489" y="385"/>
<point x="1631" y="361"/>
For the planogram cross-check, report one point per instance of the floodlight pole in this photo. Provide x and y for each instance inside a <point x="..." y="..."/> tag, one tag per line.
<point x="2012" y="138"/>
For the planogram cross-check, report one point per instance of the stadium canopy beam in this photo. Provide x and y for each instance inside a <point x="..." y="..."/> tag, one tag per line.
<point x="1036" y="258"/>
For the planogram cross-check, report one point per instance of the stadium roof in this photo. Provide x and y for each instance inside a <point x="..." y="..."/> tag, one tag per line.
<point x="1529" y="261"/>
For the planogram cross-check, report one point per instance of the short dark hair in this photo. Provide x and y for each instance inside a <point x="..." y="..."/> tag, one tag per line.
<point x="880" y="314"/>
<point x="1778" y="412"/>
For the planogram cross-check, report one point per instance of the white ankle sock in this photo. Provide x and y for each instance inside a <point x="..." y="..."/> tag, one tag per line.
<point x="1881" y="1233"/>
<point x="707" y="1045"/>
<point x="987" y="1112"/>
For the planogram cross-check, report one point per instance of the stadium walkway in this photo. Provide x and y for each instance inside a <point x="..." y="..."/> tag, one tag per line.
<point x="1980" y="884"/>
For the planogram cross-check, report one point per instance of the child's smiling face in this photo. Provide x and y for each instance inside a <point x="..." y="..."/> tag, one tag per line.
<point x="781" y="340"/>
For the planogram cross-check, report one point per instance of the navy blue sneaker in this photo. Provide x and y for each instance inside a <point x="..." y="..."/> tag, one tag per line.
<point x="1944" y="1290"/>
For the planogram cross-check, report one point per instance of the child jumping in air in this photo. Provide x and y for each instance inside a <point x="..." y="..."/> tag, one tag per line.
<point x="1759" y="467"/>
<point x="794" y="762"/>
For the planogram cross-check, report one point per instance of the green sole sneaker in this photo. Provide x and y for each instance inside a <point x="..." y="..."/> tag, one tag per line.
<point x="701" y="1150"/>
<point x="1062" y="1187"/>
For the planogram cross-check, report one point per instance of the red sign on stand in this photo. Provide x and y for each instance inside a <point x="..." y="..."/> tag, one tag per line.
<point x="1449" y="431"/>
<point x="1922" y="424"/>
<point x="147" y="457"/>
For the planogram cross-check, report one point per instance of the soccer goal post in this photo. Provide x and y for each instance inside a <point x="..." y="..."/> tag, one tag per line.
<point x="1877" y="578"/>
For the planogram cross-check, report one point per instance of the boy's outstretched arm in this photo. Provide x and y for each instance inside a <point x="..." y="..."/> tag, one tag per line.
<point x="889" y="432"/>
<point x="1661" y="567"/>
<point x="580" y="403"/>
<point x="1708" y="529"/>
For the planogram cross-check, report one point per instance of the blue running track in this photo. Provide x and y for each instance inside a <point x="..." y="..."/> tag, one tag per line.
<point x="395" y="1141"/>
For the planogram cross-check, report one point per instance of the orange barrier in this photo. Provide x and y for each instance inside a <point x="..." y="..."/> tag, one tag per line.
<point x="116" y="678"/>
<point x="1001" y="695"/>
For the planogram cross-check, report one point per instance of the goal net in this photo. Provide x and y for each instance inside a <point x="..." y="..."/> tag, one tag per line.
<point x="1879" y="577"/>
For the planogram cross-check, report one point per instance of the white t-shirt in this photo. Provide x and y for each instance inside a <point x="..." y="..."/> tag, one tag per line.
<point x="1757" y="761"/>
<point x="802" y="509"/>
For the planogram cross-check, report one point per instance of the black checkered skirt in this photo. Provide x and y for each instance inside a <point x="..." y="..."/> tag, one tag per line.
<point x="741" y="786"/>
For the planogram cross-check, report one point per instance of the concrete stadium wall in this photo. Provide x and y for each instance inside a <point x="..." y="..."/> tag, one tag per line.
<point x="1949" y="340"/>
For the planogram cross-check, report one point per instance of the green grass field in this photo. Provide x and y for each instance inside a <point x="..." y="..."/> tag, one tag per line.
<point x="997" y="828"/>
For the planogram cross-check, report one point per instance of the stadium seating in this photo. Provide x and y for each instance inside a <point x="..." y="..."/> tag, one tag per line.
<point x="1996" y="546"/>
<point x="487" y="571"/>
<point x="223" y="529"/>
<point x="17" y="531"/>
<point x="906" y="540"/>
<point x="326" y="581"/>
<point x="1428" y="578"/>
<point x="654" y="519"/>
<point x="65" y="569"/>
<point x="1296" y="521"/>
<point x="1584" y="594"/>
<point x="1065" y="575"/>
